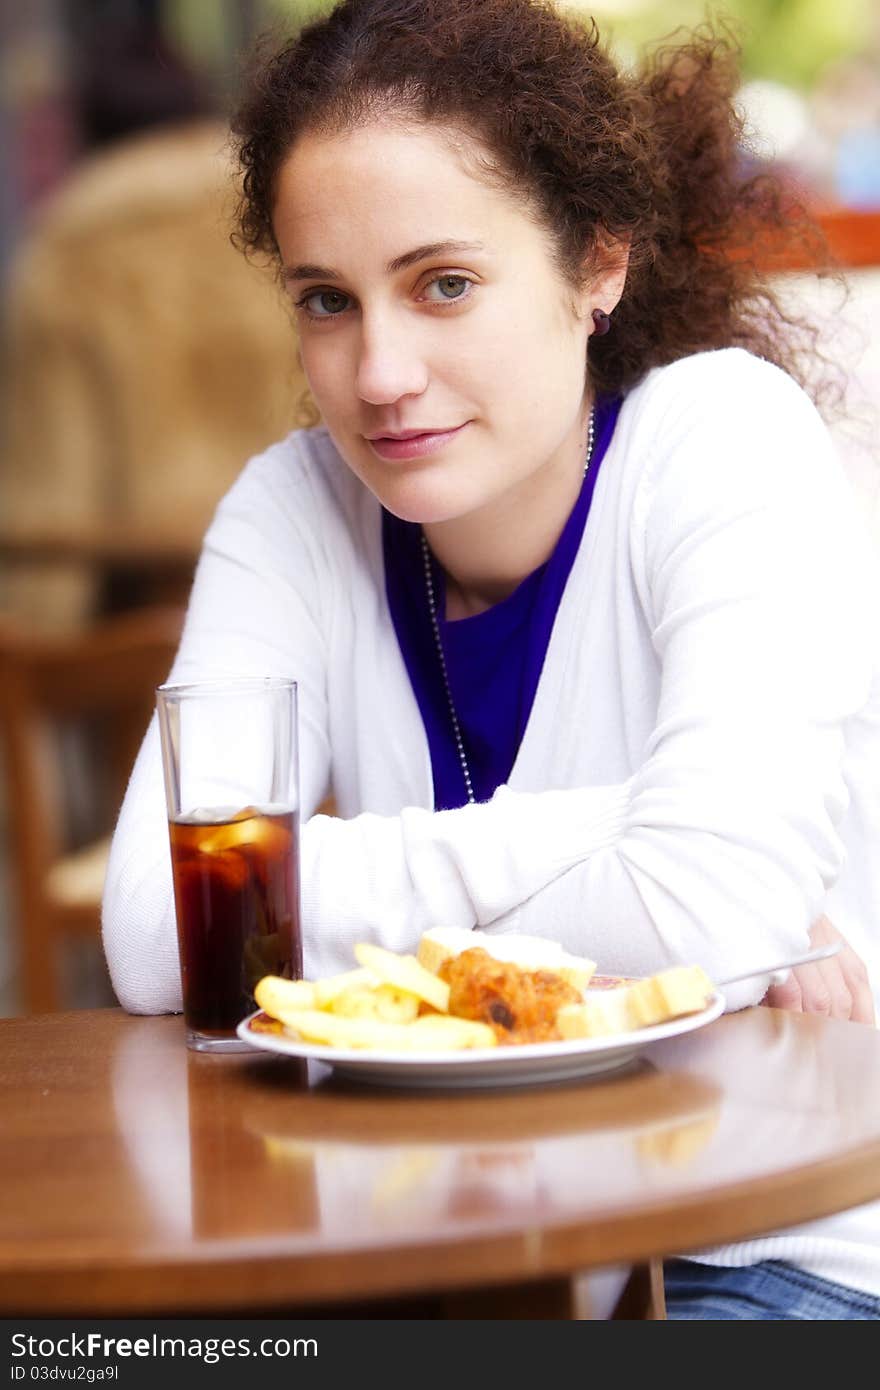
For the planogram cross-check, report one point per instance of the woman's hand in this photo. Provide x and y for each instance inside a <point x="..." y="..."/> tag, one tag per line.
<point x="837" y="987"/>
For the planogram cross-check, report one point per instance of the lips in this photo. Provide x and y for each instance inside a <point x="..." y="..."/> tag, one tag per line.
<point x="405" y="434"/>
<point x="413" y="443"/>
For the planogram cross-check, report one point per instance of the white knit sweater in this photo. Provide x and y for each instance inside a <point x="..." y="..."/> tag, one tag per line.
<point x="700" y="775"/>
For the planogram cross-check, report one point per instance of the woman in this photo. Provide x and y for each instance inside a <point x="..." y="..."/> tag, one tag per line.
<point x="584" y="652"/>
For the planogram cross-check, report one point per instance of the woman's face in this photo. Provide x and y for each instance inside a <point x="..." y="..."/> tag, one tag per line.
<point x="428" y="306"/>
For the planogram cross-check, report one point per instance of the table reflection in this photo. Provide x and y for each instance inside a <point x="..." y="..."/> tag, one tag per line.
<point x="230" y="1146"/>
<point x="233" y="1147"/>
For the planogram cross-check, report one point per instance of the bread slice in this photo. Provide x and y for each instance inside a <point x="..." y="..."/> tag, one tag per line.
<point x="528" y="952"/>
<point x="598" y="1017"/>
<point x="684" y="989"/>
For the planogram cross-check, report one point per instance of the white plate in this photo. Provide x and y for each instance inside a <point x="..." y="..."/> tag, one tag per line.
<point x="519" y="1065"/>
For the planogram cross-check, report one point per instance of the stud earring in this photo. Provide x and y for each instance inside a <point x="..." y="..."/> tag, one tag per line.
<point x="602" y="322"/>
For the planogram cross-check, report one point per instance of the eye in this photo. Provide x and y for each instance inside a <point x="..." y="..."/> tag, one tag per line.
<point x="323" y="304"/>
<point x="449" y="287"/>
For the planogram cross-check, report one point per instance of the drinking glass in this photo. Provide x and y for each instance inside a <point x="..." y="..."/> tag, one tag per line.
<point x="229" y="752"/>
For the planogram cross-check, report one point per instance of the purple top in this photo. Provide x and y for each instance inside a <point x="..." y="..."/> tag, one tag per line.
<point x="493" y="659"/>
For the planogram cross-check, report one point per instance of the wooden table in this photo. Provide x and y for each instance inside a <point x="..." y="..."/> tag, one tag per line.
<point x="138" y="1178"/>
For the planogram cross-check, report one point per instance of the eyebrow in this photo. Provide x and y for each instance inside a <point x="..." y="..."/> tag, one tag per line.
<point x="420" y="253"/>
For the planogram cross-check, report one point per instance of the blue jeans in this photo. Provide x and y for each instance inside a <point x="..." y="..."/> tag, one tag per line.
<point x="768" y="1292"/>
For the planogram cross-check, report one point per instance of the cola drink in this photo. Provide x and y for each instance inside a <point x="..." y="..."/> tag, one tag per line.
<point x="236" y="889"/>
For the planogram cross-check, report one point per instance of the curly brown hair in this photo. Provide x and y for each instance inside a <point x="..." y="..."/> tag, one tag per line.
<point x="599" y="156"/>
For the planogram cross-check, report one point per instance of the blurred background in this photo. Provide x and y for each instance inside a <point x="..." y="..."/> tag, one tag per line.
<point x="142" y="360"/>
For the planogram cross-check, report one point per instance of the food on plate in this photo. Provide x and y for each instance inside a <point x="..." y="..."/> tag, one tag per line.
<point x="389" y="1003"/>
<point x="380" y="1001"/>
<point x="275" y="995"/>
<point x="683" y="989"/>
<point x="474" y="999"/>
<point x="326" y="991"/>
<point x="528" y="952"/>
<point x="356" y="994"/>
<point x="520" y="1006"/>
<point x="599" y="1016"/>
<point x="429" y="1033"/>
<point x="404" y="972"/>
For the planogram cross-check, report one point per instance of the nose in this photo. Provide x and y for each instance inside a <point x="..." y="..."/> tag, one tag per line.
<point x="390" y="364"/>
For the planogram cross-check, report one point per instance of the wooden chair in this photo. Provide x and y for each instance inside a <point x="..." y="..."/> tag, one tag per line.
<point x="73" y="710"/>
<point x="144" y="360"/>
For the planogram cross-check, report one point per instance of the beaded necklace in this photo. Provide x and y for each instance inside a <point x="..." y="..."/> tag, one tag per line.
<point x="435" y="625"/>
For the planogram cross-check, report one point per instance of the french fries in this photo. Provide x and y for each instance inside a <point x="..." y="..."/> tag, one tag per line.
<point x="327" y="991"/>
<point x="382" y="1001"/>
<point x="405" y="972"/>
<point x="430" y="1033"/>
<point x="276" y="996"/>
<point x="376" y="1006"/>
<point x="393" y="1003"/>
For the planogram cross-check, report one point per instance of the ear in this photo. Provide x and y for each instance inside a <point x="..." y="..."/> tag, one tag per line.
<point x="605" y="274"/>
